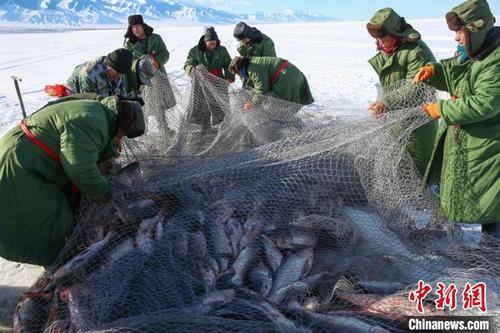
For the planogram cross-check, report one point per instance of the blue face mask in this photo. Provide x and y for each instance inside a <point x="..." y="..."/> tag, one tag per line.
<point x="244" y="73"/>
<point x="462" y="53"/>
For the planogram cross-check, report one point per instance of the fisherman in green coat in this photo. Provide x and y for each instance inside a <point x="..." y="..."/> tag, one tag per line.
<point x="205" y="106"/>
<point x="102" y="76"/>
<point x="55" y="149"/>
<point x="141" y="40"/>
<point x="273" y="75"/>
<point x="467" y="152"/>
<point x="401" y="53"/>
<point x="253" y="43"/>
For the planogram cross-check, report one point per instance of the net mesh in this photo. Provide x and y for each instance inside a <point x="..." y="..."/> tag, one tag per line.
<point x="274" y="219"/>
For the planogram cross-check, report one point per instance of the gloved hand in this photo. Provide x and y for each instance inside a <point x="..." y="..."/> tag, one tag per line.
<point x="192" y="71"/>
<point x="424" y="74"/>
<point x="248" y="105"/>
<point x="432" y="110"/>
<point x="378" y="109"/>
<point x="106" y="167"/>
<point x="119" y="144"/>
<point x="156" y="63"/>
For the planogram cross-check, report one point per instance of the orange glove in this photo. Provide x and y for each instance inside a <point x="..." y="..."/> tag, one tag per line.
<point x="248" y="105"/>
<point x="156" y="64"/>
<point x="423" y="74"/>
<point x="378" y="109"/>
<point x="432" y="110"/>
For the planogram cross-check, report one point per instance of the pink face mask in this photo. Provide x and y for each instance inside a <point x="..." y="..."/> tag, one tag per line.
<point x="388" y="49"/>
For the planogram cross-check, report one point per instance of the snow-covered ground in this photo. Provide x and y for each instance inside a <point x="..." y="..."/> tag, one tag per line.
<point x="332" y="55"/>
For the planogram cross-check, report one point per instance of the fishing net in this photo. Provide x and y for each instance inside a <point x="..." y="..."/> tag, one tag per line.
<point x="273" y="219"/>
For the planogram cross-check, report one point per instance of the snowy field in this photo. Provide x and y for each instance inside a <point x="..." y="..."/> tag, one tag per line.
<point x="332" y="55"/>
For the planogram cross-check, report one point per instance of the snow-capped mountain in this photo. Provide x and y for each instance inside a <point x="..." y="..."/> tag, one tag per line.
<point x="76" y="13"/>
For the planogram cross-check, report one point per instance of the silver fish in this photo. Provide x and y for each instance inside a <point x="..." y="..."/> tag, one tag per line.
<point x="320" y="285"/>
<point x="292" y="237"/>
<point x="180" y="243"/>
<point x="335" y="322"/>
<point x="211" y="301"/>
<point x="261" y="279"/>
<point x="198" y="244"/>
<point x="75" y="268"/>
<point x="208" y="276"/>
<point x="252" y="228"/>
<point x="273" y="256"/>
<point x="282" y="323"/>
<point x="243" y="263"/>
<point x="122" y="249"/>
<point x="146" y="233"/>
<point x="214" y="265"/>
<point x="32" y="312"/>
<point x="382" y="287"/>
<point x="295" y="268"/>
<point x="234" y="231"/>
<point x="219" y="240"/>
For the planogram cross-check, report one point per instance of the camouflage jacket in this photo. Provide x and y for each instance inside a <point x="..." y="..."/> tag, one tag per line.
<point x="91" y="77"/>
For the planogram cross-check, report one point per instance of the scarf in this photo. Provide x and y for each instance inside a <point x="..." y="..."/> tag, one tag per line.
<point x="388" y="50"/>
<point x="461" y="54"/>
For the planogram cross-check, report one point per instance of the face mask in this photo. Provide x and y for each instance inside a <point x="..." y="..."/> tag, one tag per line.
<point x="462" y="53"/>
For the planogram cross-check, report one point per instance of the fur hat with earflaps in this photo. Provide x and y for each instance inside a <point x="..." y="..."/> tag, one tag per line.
<point x="135" y="20"/>
<point x="474" y="17"/>
<point x="386" y="22"/>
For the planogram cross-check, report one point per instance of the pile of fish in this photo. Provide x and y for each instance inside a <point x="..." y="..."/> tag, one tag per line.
<point x="294" y="261"/>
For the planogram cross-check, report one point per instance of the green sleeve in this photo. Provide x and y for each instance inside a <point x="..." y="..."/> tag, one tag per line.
<point x="416" y="61"/>
<point x="191" y="62"/>
<point x="80" y="146"/>
<point x="261" y="85"/>
<point x="226" y="61"/>
<point x="482" y="105"/>
<point x="438" y="80"/>
<point x="109" y="152"/>
<point x="243" y="50"/>
<point x="163" y="55"/>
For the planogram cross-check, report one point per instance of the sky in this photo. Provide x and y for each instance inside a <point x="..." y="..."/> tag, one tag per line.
<point x="346" y="10"/>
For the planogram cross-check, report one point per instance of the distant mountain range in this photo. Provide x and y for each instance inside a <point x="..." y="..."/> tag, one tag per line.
<point x="77" y="13"/>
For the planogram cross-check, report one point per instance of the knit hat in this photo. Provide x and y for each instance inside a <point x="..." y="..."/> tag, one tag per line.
<point x="120" y="60"/>
<point x="386" y="22"/>
<point x="476" y="17"/>
<point x="131" y="118"/>
<point x="210" y="34"/>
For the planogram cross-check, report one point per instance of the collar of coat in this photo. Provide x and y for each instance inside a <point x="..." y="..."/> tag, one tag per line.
<point x="203" y="47"/>
<point x="489" y="45"/>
